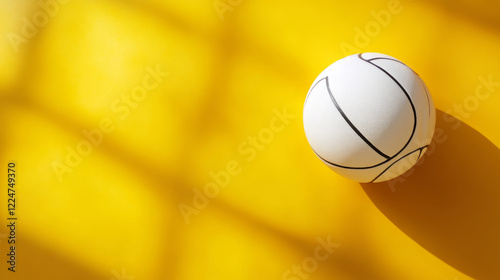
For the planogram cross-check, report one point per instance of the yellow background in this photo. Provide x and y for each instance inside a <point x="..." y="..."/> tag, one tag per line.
<point x="117" y="213"/>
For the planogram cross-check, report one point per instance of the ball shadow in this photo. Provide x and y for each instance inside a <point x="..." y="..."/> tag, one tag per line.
<point x="450" y="203"/>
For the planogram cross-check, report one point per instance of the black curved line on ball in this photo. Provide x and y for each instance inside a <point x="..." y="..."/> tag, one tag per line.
<point x="350" y="123"/>
<point x="407" y="96"/>
<point x="406" y="93"/>
<point x="349" y="167"/>
<point x="387" y="58"/>
<point x="427" y="95"/>
<point x="327" y="161"/>
<point x="421" y="80"/>
<point x="392" y="59"/>
<point x="312" y="88"/>
<point x="410" y="153"/>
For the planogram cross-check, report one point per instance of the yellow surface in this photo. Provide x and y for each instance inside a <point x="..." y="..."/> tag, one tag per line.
<point x="230" y="68"/>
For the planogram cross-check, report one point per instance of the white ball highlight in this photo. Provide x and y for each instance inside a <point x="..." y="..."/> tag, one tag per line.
<point x="369" y="117"/>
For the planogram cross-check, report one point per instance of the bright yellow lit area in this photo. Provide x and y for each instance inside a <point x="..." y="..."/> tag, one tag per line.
<point x="156" y="140"/>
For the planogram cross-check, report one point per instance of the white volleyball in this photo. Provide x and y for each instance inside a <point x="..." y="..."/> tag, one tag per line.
<point x="369" y="117"/>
